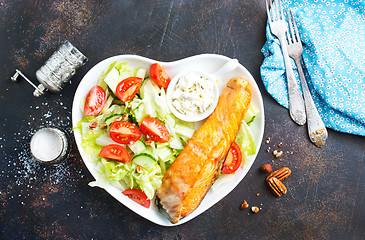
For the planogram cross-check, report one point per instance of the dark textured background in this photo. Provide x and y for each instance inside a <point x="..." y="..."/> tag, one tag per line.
<point x="326" y="191"/>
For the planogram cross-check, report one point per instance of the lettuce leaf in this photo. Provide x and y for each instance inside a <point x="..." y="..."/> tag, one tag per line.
<point x="245" y="139"/>
<point x="88" y="143"/>
<point x="147" y="181"/>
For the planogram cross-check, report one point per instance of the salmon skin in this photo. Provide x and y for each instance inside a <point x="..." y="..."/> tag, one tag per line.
<point x="194" y="171"/>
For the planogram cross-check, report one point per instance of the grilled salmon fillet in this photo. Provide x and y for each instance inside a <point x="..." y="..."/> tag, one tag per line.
<point x="194" y="171"/>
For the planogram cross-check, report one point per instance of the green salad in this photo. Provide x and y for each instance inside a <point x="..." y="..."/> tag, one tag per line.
<point x="129" y="132"/>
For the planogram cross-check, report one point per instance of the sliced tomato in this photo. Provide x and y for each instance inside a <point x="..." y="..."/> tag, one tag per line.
<point x="233" y="159"/>
<point x="128" y="88"/>
<point x="95" y="101"/>
<point x="155" y="130"/>
<point x="124" y="132"/>
<point x="159" y="76"/>
<point x="138" y="196"/>
<point x="115" y="152"/>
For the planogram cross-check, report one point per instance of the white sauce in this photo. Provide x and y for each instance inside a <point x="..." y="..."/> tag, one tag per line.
<point x="193" y="94"/>
<point x="46" y="145"/>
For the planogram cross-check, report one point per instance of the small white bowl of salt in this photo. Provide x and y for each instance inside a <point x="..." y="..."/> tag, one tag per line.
<point x="49" y="145"/>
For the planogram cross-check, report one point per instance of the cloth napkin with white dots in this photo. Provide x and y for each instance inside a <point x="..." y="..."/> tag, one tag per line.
<point x="333" y="38"/>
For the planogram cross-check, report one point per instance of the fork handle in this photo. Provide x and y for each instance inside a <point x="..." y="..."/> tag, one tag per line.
<point x="296" y="102"/>
<point x="317" y="130"/>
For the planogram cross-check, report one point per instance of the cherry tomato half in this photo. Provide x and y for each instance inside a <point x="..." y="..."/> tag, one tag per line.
<point x="128" y="88"/>
<point x="138" y="196"/>
<point x="159" y="76"/>
<point x="95" y="101"/>
<point x="233" y="159"/>
<point x="124" y="132"/>
<point x="115" y="152"/>
<point x="155" y="130"/>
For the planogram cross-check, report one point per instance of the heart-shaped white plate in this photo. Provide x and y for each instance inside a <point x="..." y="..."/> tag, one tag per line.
<point x="208" y="63"/>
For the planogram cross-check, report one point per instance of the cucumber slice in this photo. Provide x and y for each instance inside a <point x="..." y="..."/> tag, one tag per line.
<point x="112" y="118"/>
<point x="140" y="113"/>
<point x="148" y="88"/>
<point x="137" y="147"/>
<point x="113" y="109"/>
<point x="165" y="154"/>
<point x="144" y="160"/>
<point x="112" y="79"/>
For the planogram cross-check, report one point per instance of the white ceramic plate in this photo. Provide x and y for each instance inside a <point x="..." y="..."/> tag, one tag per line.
<point x="208" y="63"/>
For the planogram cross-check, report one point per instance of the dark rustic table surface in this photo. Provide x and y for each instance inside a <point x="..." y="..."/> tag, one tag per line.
<point x="326" y="191"/>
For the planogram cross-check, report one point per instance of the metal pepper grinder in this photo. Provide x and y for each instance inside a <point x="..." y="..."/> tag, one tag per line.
<point x="57" y="70"/>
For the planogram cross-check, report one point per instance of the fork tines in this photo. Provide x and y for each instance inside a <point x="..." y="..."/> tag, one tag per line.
<point x="293" y="31"/>
<point x="275" y="11"/>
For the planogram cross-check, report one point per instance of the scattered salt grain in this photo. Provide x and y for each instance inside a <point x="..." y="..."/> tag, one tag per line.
<point x="26" y="176"/>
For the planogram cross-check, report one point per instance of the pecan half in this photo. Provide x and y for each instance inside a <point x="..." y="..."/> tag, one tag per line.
<point x="93" y="125"/>
<point x="281" y="174"/>
<point x="276" y="186"/>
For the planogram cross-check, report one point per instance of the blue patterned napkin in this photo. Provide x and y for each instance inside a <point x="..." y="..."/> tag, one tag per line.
<point x="333" y="37"/>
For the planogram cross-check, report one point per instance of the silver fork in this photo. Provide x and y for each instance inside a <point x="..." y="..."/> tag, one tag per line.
<point x="316" y="129"/>
<point x="278" y="28"/>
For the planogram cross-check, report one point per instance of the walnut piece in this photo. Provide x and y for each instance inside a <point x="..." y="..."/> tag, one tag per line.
<point x="244" y="205"/>
<point x="255" y="209"/>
